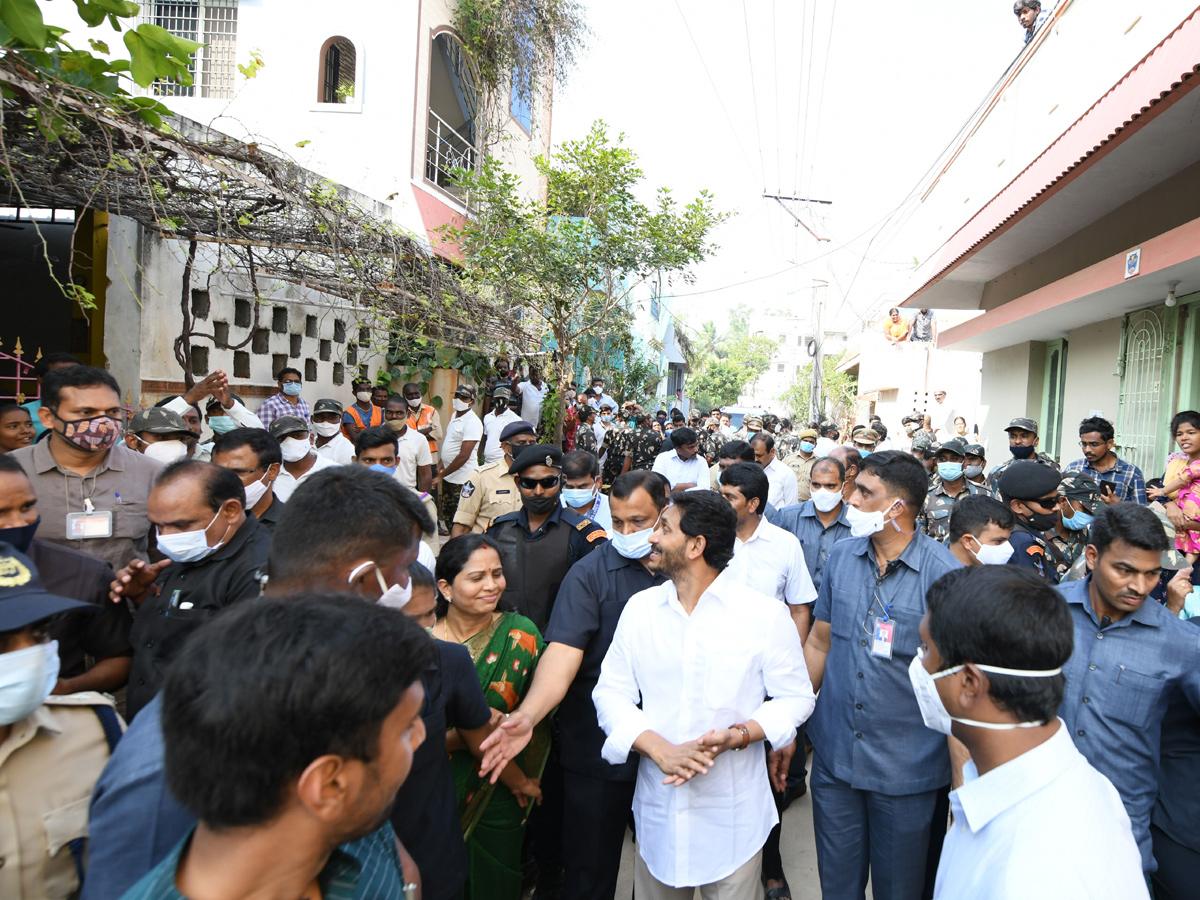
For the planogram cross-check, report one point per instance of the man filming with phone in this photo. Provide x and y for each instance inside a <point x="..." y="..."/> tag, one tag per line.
<point x="1120" y="481"/>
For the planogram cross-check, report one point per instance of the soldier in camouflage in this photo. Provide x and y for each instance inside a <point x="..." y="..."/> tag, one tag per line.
<point x="642" y="445"/>
<point x="949" y="484"/>
<point x="786" y="443"/>
<point x="1079" y="498"/>
<point x="585" y="436"/>
<point x="1022" y="444"/>
<point x="618" y="438"/>
<point x="974" y="466"/>
<point x="711" y="440"/>
<point x="925" y="449"/>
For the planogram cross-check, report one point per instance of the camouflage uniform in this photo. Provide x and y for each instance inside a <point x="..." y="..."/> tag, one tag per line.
<point x="711" y="443"/>
<point x="1081" y="490"/>
<point x="618" y="440"/>
<point x="786" y="444"/>
<point x="993" y="478"/>
<point x="934" y="520"/>
<point x="585" y="439"/>
<point x="642" y="446"/>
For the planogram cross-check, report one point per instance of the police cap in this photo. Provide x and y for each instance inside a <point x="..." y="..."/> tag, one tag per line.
<point x="512" y="429"/>
<point x="537" y="455"/>
<point x="957" y="446"/>
<point x="1026" y="479"/>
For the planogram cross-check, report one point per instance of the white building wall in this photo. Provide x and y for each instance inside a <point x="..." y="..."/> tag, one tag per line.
<point x="1092" y="384"/>
<point x="1011" y="387"/>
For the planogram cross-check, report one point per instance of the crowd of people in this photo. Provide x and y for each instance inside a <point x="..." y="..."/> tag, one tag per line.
<point x="660" y="621"/>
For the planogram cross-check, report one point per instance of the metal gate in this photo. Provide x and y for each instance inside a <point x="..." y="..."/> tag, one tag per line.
<point x="1139" y="423"/>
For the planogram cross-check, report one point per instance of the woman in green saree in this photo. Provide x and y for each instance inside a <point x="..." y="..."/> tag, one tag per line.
<point x="505" y="647"/>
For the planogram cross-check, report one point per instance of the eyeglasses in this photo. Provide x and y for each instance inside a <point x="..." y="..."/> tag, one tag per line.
<point x="532" y="484"/>
<point x="246" y="471"/>
<point x="1043" y="502"/>
<point x="1093" y="445"/>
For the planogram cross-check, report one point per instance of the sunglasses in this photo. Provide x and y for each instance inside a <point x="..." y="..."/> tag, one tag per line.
<point x="1043" y="502"/>
<point x="531" y="484"/>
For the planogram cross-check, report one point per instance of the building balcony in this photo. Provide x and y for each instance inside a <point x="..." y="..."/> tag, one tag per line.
<point x="446" y="149"/>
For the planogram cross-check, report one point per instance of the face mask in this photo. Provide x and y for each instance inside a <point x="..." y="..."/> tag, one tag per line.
<point x="1078" y="521"/>
<point x="933" y="711"/>
<point x="293" y="389"/>
<point x="294" y="449"/>
<point x="383" y="470"/>
<point x="972" y="471"/>
<point x="808" y="446"/>
<point x="363" y="396"/>
<point x="949" y="471"/>
<point x="578" y="496"/>
<point x="910" y="429"/>
<point x="189" y="546"/>
<point x="394" y="597"/>
<point x="993" y="554"/>
<point x="166" y="452"/>
<point x="1021" y="452"/>
<point x="397" y="425"/>
<point x="865" y="524"/>
<point x="326" y="429"/>
<point x="606" y="419"/>
<point x="460" y="405"/>
<point x="414" y="402"/>
<point x="222" y="424"/>
<point x="539" y="506"/>
<point x="91" y="435"/>
<point x="256" y="492"/>
<point x="21" y="537"/>
<point x="863" y="451"/>
<point x="1043" y="521"/>
<point x="26" y="679"/>
<point x="826" y="501"/>
<point x="633" y="546"/>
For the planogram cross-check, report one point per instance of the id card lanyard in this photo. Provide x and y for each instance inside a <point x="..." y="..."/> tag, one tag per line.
<point x="883" y="631"/>
<point x="92" y="522"/>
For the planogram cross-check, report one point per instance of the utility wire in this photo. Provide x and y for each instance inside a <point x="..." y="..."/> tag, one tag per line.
<point x="799" y="103"/>
<point x="812" y="29"/>
<point x="821" y="98"/>
<point x="754" y="95"/>
<point x="775" y="50"/>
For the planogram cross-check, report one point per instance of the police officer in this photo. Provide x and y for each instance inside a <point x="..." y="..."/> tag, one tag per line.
<point x="1022" y="444"/>
<point x="711" y="440"/>
<point x="974" y="467"/>
<point x="1030" y="490"/>
<point x="802" y="460"/>
<point x="1078" y="500"/>
<point x="54" y="747"/>
<point x="925" y="449"/>
<point x="490" y="491"/>
<point x="949" y="483"/>
<point x="642" y="445"/>
<point x="786" y="443"/>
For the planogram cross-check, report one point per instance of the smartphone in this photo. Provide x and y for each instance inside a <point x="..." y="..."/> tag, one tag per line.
<point x="1107" y="487"/>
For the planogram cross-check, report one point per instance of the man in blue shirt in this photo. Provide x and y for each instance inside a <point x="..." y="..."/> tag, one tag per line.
<point x="1130" y="655"/>
<point x="877" y="770"/>
<point x="820" y="522"/>
<point x="1119" y="480"/>
<point x="597" y="795"/>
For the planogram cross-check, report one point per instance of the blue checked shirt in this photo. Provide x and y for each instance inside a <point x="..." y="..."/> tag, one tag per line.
<point x="278" y="405"/>
<point x="1126" y="478"/>
<point x="867" y="725"/>
<point x="366" y="869"/>
<point x="1119" y="679"/>
<point x="816" y="541"/>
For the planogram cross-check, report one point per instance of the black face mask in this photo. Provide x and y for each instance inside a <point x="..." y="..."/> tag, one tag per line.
<point x="21" y="538"/>
<point x="539" y="505"/>
<point x="1042" y="521"/>
<point x="1021" y="452"/>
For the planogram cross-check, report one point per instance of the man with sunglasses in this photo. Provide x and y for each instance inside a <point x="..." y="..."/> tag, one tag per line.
<point x="1030" y="490"/>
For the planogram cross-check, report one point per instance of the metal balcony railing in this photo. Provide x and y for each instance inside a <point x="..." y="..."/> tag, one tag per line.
<point x="445" y="151"/>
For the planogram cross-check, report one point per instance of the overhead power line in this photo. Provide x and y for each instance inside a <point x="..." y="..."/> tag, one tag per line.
<point x="754" y="95"/>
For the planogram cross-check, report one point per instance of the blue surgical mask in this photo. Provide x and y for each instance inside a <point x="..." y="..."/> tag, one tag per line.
<point x="632" y="546"/>
<point x="808" y="446"/>
<point x="576" y="497"/>
<point x="293" y="388"/>
<point x="222" y="424"/>
<point x="385" y="470"/>
<point x="950" y="471"/>
<point x="27" y="677"/>
<point x="1079" y="521"/>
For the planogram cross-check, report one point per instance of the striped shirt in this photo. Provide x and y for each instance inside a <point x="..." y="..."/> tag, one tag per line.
<point x="1125" y="477"/>
<point x="366" y="869"/>
<point x="278" y="405"/>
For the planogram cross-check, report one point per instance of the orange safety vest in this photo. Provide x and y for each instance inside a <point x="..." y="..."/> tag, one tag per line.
<point x="424" y="418"/>
<point x="356" y="415"/>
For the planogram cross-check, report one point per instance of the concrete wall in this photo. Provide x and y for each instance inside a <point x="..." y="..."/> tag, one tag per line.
<point x="1011" y="386"/>
<point x="1091" y="382"/>
<point x="123" y="306"/>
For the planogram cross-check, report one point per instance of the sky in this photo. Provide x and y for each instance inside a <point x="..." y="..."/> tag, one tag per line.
<point x="849" y="101"/>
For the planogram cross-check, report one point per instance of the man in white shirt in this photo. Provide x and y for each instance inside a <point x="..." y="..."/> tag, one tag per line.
<point x="330" y="442"/>
<point x="601" y="399"/>
<point x="495" y="421"/>
<point x="463" y="433"/>
<point x="532" y="392"/>
<point x="1032" y="817"/>
<point x="784" y="489"/>
<point x="683" y="467"/>
<point x="300" y="460"/>
<point x="700" y="655"/>
<point x="413" y="460"/>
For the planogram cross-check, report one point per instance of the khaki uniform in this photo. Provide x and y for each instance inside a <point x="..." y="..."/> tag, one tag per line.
<point x="487" y="494"/>
<point x="714" y="476"/>
<point x="48" y="769"/>
<point x="803" y="469"/>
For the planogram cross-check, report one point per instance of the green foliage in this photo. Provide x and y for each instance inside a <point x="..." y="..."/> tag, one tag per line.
<point x="256" y="64"/>
<point x="839" y="390"/>
<point x="532" y="40"/>
<point x="725" y="374"/>
<point x="415" y="360"/>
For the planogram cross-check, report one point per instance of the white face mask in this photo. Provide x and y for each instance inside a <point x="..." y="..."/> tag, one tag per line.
<point x="865" y="524"/>
<point x="414" y="402"/>
<point x="394" y="597"/>
<point x="27" y="677"/>
<point x="826" y="501"/>
<point x="189" y="546"/>
<point x="363" y="396"/>
<point x="326" y="429"/>
<point x="992" y="554"/>
<point x="632" y="546"/>
<point x="294" y="449"/>
<point x="257" y="491"/>
<point x="460" y="405"/>
<point x="933" y="711"/>
<point x="167" y="452"/>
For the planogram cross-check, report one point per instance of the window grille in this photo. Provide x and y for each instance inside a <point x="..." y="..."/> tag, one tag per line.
<point x="213" y="23"/>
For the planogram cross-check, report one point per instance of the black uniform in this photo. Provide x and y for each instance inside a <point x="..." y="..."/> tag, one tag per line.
<point x="1031" y="550"/>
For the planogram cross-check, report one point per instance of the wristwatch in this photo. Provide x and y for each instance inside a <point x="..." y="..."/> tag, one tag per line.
<point x="745" y="736"/>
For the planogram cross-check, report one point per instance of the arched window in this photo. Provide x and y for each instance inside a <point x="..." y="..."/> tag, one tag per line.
<point x="339" y="61"/>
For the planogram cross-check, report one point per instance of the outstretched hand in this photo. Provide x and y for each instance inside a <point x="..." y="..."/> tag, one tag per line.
<point x="134" y="579"/>
<point x="510" y="737"/>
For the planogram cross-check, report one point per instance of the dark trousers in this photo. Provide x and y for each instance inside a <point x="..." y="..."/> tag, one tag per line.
<point x="546" y="821"/>
<point x="937" y="837"/>
<point x="595" y="813"/>
<point x="865" y="832"/>
<point x="448" y="501"/>
<point x="1178" y="868"/>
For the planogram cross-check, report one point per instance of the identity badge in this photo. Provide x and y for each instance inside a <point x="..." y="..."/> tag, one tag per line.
<point x="881" y="643"/>
<point x="84" y="525"/>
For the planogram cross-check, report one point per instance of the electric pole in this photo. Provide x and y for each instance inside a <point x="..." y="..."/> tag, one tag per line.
<point x="816" y="398"/>
<point x="800" y="223"/>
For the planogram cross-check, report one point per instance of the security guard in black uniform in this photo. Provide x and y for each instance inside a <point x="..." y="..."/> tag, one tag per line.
<point x="540" y="543"/>
<point x="1030" y="490"/>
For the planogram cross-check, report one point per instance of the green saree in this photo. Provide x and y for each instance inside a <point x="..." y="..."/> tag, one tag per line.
<point x="493" y="823"/>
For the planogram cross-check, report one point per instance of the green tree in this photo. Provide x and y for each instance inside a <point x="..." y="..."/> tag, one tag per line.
<point x="570" y="256"/>
<point x="724" y="376"/>
<point x="839" y="389"/>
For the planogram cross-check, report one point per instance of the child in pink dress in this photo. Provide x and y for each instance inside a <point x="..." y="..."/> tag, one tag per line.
<point x="1187" y="483"/>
